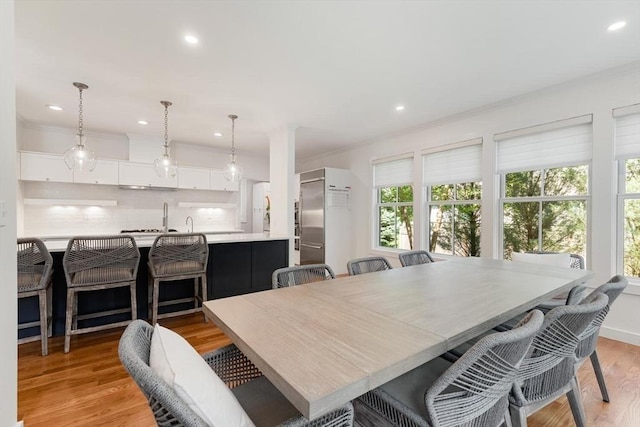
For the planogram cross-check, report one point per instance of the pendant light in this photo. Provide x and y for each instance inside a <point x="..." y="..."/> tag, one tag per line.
<point x="233" y="172"/>
<point x="165" y="166"/>
<point x="78" y="158"/>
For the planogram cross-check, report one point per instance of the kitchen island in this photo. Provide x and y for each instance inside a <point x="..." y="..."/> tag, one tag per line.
<point x="238" y="264"/>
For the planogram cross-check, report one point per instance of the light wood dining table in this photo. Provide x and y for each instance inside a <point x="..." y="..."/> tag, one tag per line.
<point x="326" y="343"/>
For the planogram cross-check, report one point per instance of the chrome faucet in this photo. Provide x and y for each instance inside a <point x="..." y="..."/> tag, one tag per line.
<point x="187" y="222"/>
<point x="165" y="217"/>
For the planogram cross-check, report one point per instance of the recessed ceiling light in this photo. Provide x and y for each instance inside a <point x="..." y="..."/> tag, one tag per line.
<point x="54" y="107"/>
<point x="218" y="134"/>
<point x="400" y="108"/>
<point x="143" y="122"/>
<point x="191" y="39"/>
<point x="616" y="26"/>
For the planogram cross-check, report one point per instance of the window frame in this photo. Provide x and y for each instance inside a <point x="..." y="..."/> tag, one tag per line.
<point x="378" y="204"/>
<point x="502" y="199"/>
<point x="621" y="197"/>
<point x="455" y="202"/>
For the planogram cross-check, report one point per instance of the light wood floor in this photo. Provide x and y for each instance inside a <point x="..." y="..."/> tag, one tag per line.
<point x="89" y="387"/>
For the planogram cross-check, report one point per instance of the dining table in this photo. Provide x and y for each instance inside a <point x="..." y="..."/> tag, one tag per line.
<point x="325" y="343"/>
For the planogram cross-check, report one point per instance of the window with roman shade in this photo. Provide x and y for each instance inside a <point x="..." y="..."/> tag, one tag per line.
<point x="393" y="183"/>
<point x="627" y="154"/>
<point x="544" y="173"/>
<point x="453" y="182"/>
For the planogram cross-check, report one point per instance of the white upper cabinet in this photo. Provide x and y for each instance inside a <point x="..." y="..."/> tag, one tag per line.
<point x="106" y="172"/>
<point x="218" y="182"/>
<point x="44" y="167"/>
<point x="143" y="174"/>
<point x="193" y="178"/>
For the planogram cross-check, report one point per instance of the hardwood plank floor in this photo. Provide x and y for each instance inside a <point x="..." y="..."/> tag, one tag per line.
<point x="89" y="386"/>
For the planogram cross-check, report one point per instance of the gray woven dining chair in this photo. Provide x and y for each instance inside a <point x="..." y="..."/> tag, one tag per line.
<point x="367" y="265"/>
<point x="472" y="392"/>
<point x="301" y="274"/>
<point x="93" y="263"/>
<point x="173" y="257"/>
<point x="589" y="338"/>
<point x="253" y="391"/>
<point x="547" y="372"/>
<point x="35" y="270"/>
<point x="414" y="258"/>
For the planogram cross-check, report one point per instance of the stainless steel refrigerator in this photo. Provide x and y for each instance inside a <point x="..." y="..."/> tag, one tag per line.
<point x="325" y="205"/>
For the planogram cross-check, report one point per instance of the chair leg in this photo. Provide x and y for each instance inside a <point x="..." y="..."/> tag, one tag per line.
<point x="196" y="293"/>
<point x="68" y="319"/>
<point x="203" y="282"/>
<point x="49" y="311"/>
<point x="518" y="416"/>
<point x="74" y="317"/>
<point x="599" y="376"/>
<point x="42" y="299"/>
<point x="134" y="301"/>
<point x="154" y="309"/>
<point x="575" y="401"/>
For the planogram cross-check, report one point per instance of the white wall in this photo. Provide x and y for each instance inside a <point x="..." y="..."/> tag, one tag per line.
<point x="8" y="291"/>
<point x="596" y="95"/>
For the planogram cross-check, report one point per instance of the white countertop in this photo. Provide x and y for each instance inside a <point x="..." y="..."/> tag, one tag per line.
<point x="145" y="240"/>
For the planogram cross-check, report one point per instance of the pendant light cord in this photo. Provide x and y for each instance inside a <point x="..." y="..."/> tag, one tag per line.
<point x="166" y="130"/>
<point x="80" y="118"/>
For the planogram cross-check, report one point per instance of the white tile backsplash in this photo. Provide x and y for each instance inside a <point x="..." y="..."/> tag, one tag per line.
<point x="136" y="209"/>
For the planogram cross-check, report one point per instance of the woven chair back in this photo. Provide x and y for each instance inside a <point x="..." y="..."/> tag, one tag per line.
<point x="549" y="364"/>
<point x="575" y="261"/>
<point x="367" y="265"/>
<point x="34" y="264"/>
<point x="414" y="258"/>
<point x="167" y="407"/>
<point x="94" y="260"/>
<point x="299" y="275"/>
<point x="179" y="254"/>
<point x="589" y="338"/>
<point x="474" y="391"/>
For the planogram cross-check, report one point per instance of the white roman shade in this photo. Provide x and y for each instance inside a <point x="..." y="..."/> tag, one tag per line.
<point x="562" y="143"/>
<point x="393" y="171"/>
<point x="627" y="132"/>
<point x="453" y="165"/>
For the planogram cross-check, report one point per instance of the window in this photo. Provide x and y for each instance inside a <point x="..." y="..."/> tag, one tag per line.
<point x="394" y="202"/>
<point x="544" y="175"/>
<point x="627" y="143"/>
<point x="452" y="179"/>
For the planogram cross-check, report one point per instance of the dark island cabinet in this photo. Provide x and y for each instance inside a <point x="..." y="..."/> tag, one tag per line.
<point x="240" y="268"/>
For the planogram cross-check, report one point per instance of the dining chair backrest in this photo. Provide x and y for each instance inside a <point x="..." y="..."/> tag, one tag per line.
<point x="474" y="390"/>
<point x="35" y="264"/>
<point x="301" y="274"/>
<point x="589" y="338"/>
<point x="414" y="258"/>
<point x="367" y="265"/>
<point x="549" y="364"/>
<point x="575" y="261"/>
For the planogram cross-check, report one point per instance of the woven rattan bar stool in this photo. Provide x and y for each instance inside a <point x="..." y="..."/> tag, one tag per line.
<point x="178" y="257"/>
<point x="34" y="279"/>
<point x="94" y="263"/>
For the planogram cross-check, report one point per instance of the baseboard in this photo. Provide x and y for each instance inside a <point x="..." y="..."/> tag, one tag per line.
<point x="20" y="424"/>
<point x="620" y="335"/>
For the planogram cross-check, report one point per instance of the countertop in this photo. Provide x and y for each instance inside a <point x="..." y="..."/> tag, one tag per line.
<point x="145" y="240"/>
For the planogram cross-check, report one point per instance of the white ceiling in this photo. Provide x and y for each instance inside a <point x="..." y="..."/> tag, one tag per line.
<point x="337" y="69"/>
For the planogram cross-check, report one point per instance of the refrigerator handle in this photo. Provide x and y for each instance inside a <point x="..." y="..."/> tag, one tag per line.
<point x="306" y="245"/>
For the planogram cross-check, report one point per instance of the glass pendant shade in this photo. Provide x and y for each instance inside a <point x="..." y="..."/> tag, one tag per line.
<point x="165" y="166"/>
<point x="232" y="172"/>
<point x="78" y="158"/>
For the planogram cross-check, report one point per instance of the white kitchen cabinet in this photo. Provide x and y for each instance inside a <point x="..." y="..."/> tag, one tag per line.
<point x="106" y="172"/>
<point x="144" y="175"/>
<point x="217" y="181"/>
<point x="44" y="167"/>
<point x="193" y="178"/>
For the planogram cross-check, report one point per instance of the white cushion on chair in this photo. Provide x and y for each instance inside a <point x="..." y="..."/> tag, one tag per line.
<point x="193" y="380"/>
<point x="559" y="260"/>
